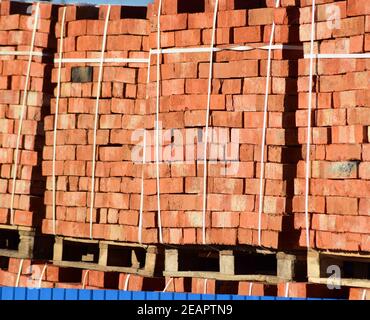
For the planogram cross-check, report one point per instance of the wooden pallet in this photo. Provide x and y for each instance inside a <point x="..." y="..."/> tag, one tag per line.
<point x="17" y="241"/>
<point x="108" y="256"/>
<point x="233" y="264"/>
<point x="354" y="268"/>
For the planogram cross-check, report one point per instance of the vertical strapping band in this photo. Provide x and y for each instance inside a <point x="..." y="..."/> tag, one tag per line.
<point x="205" y="148"/>
<point x="96" y="120"/>
<point x="309" y="116"/>
<point x="56" y="116"/>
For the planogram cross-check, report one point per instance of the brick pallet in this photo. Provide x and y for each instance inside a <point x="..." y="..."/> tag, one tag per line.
<point x="25" y="91"/>
<point x="113" y="207"/>
<point x="339" y="182"/>
<point x="236" y="116"/>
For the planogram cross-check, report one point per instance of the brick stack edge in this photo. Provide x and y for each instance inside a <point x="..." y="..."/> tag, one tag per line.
<point x="340" y="152"/>
<point x="15" y="35"/>
<point x="340" y="184"/>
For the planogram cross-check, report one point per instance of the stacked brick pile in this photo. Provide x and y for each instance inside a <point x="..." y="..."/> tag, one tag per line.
<point x="339" y="204"/>
<point x="236" y="120"/>
<point x="16" y="27"/>
<point x="122" y="103"/>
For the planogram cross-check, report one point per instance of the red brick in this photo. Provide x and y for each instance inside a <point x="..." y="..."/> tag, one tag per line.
<point x="187" y="38"/>
<point x="247" y="34"/>
<point x="341" y="205"/>
<point x="348" y="134"/>
<point x="234" y="18"/>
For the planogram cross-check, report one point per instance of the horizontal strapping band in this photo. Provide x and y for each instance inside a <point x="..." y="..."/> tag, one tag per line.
<point x="338" y="56"/>
<point x="97" y="60"/>
<point x="23" y="53"/>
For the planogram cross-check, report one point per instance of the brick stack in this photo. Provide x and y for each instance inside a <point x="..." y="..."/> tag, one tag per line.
<point x="237" y="101"/>
<point x="340" y="172"/>
<point x="16" y="27"/>
<point x="122" y="103"/>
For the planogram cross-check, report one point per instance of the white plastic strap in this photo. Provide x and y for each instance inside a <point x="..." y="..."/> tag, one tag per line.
<point x="98" y="60"/>
<point x="23" y="53"/>
<point x="205" y="286"/>
<point x="308" y="150"/>
<point x="19" y="273"/>
<point x="125" y="288"/>
<point x="42" y="275"/>
<point x="338" y="56"/>
<point x="24" y="101"/>
<point x="157" y="122"/>
<point x="96" y="120"/>
<point x="231" y="48"/>
<point x="262" y="163"/>
<point x="250" y="289"/>
<point x="287" y="287"/>
<point x="205" y="148"/>
<point x="56" y="116"/>
<point x="364" y="294"/>
<point x="142" y="190"/>
<point x="167" y="285"/>
<point x="148" y="74"/>
<point x="84" y="279"/>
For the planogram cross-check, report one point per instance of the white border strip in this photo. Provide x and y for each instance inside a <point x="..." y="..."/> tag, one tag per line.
<point x="205" y="173"/>
<point x="96" y="120"/>
<point x="263" y="142"/>
<point x="157" y="121"/>
<point x="56" y="117"/>
<point x="24" y="102"/>
<point x="309" y="116"/>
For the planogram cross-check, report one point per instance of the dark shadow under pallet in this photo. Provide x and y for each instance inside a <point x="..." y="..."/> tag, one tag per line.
<point x="241" y="263"/>
<point x="110" y="256"/>
<point x="16" y="241"/>
<point x="339" y="268"/>
<point x="24" y="243"/>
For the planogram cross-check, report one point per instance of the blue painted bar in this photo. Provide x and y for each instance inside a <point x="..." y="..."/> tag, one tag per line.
<point x="111" y="295"/>
<point x="46" y="294"/>
<point x="84" y="294"/>
<point x="32" y="294"/>
<point x="166" y="296"/>
<point x="72" y="294"/>
<point x="152" y="296"/>
<point x="20" y="293"/>
<point x="9" y="293"/>
<point x="58" y="294"/>
<point x="98" y="295"/>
